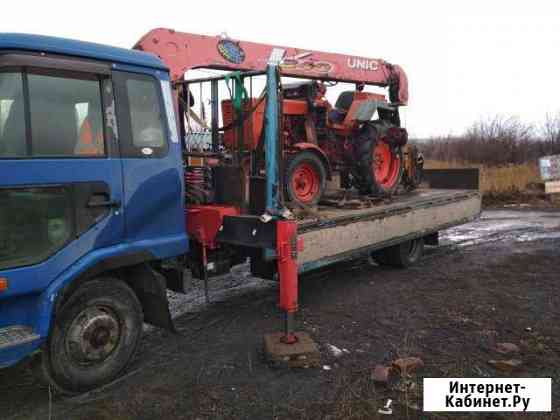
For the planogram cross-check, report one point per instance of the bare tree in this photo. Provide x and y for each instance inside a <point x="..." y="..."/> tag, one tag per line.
<point x="550" y="133"/>
<point x="496" y="141"/>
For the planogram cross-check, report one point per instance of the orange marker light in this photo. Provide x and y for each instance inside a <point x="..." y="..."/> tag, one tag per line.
<point x="3" y="284"/>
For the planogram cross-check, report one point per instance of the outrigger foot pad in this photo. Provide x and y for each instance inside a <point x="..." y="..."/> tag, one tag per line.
<point x="303" y="353"/>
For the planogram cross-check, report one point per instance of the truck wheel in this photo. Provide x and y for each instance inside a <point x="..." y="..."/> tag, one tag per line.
<point x="94" y="337"/>
<point x="380" y="165"/>
<point x="305" y="178"/>
<point x="402" y="255"/>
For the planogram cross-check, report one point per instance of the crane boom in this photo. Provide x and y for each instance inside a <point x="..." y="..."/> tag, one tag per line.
<point x="184" y="51"/>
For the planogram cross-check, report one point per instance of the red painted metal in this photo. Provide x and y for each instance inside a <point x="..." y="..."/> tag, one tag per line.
<point x="350" y="122"/>
<point x="386" y="165"/>
<point x="306" y="182"/>
<point x="287" y="247"/>
<point x="294" y="107"/>
<point x="184" y="51"/>
<point x="204" y="221"/>
<point x="252" y="125"/>
<point x="303" y="145"/>
<point x="321" y="153"/>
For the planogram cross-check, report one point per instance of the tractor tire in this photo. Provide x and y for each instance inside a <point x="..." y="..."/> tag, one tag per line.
<point x="305" y="179"/>
<point x="413" y="173"/>
<point x="380" y="166"/>
<point x="94" y="337"/>
<point x="402" y="255"/>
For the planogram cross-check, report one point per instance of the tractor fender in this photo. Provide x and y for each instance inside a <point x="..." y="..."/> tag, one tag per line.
<point x="304" y="146"/>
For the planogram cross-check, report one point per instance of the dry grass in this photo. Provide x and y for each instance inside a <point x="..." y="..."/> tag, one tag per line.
<point x="496" y="179"/>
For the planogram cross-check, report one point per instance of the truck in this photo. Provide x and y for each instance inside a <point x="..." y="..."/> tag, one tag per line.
<point x="106" y="204"/>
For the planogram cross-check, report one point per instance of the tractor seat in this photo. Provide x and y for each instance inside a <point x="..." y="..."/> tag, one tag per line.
<point x="341" y="107"/>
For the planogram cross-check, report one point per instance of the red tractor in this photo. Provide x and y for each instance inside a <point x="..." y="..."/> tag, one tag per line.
<point x="359" y="137"/>
<point x="320" y="139"/>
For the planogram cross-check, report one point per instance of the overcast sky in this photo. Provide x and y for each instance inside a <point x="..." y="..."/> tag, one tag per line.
<point x="465" y="60"/>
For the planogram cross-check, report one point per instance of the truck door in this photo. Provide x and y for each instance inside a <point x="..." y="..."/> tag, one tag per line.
<point x="60" y="176"/>
<point x="152" y="162"/>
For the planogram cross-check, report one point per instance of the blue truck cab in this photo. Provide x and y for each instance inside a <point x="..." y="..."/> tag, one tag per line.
<point x="91" y="197"/>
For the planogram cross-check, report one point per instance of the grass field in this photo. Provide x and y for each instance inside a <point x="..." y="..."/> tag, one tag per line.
<point x="497" y="180"/>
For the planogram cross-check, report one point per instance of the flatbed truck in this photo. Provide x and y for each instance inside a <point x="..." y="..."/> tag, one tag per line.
<point x="95" y="221"/>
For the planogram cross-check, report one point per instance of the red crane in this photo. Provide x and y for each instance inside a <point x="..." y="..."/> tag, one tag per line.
<point x="184" y="51"/>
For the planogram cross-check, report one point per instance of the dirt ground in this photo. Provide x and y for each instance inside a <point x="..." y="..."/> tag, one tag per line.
<point x="495" y="279"/>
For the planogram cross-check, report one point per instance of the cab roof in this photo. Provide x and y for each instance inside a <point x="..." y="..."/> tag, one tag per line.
<point x="54" y="45"/>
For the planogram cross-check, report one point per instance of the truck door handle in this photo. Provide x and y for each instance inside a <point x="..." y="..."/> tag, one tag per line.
<point x="108" y="203"/>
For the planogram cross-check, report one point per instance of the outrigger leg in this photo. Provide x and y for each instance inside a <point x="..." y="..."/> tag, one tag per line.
<point x="289" y="348"/>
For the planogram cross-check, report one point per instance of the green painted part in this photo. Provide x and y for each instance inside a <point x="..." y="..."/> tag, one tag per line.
<point x="238" y="93"/>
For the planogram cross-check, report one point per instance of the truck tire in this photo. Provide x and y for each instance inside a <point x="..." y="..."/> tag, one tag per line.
<point x="380" y="165"/>
<point x="94" y="337"/>
<point x="305" y="178"/>
<point x="402" y="255"/>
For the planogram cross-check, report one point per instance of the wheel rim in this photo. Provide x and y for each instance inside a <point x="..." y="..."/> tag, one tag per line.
<point x="386" y="166"/>
<point x="305" y="182"/>
<point x="93" y="335"/>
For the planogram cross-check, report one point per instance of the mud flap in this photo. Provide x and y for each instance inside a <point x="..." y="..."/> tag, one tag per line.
<point x="152" y="294"/>
<point x="177" y="278"/>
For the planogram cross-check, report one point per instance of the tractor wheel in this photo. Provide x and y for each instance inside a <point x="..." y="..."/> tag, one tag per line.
<point x="414" y="168"/>
<point x="380" y="165"/>
<point x="305" y="178"/>
<point x="94" y="337"/>
<point x="402" y="255"/>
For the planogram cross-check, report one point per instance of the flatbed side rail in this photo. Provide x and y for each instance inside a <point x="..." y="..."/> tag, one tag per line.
<point x="370" y="231"/>
<point x="393" y="209"/>
<point x="366" y="250"/>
